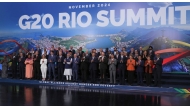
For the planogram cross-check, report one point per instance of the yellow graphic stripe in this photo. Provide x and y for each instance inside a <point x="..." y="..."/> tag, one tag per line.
<point x="181" y="43"/>
<point x="185" y="90"/>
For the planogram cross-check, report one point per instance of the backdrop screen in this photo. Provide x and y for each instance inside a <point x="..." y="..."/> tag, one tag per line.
<point x="163" y="25"/>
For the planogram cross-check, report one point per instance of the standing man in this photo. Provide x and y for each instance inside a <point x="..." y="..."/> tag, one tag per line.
<point x="51" y="65"/>
<point x="151" y="53"/>
<point x="158" y="70"/>
<point x="93" y="67"/>
<point x="75" y="67"/>
<point x="112" y="69"/>
<point x="39" y="50"/>
<point x="121" y="68"/>
<point x="140" y="70"/>
<point x="72" y="50"/>
<point x="84" y="63"/>
<point x="21" y="65"/>
<point x="140" y="52"/>
<point x="103" y="66"/>
<point x="60" y="65"/>
<point x="14" y="61"/>
<point x="68" y="67"/>
<point x="36" y="64"/>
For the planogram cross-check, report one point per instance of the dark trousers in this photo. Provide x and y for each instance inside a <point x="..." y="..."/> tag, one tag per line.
<point x="75" y="74"/>
<point x="139" y="77"/>
<point x="148" y="79"/>
<point x="21" y="71"/>
<point x="157" y="77"/>
<point x="14" y="71"/>
<point x="121" y="75"/>
<point x="84" y="71"/>
<point x="103" y="75"/>
<point x="131" y="77"/>
<point x="51" y="66"/>
<point x="36" y="70"/>
<point x="60" y="68"/>
<point x="93" y="75"/>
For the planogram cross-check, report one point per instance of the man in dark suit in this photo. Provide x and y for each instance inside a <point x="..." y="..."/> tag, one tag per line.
<point x="100" y="52"/>
<point x="51" y="64"/>
<point x="157" y="70"/>
<point x="72" y="50"/>
<point x="37" y="73"/>
<point x="75" y="67"/>
<point x="139" y="70"/>
<point x="60" y="65"/>
<point x="38" y="49"/>
<point x="14" y="61"/>
<point x="131" y="52"/>
<point x="83" y="66"/>
<point x="151" y="53"/>
<point x="140" y="51"/>
<point x="21" y="66"/>
<point x="64" y="52"/>
<point x="53" y="50"/>
<point x="103" y="61"/>
<point x="81" y="52"/>
<point x="93" y="67"/>
<point x="122" y="68"/>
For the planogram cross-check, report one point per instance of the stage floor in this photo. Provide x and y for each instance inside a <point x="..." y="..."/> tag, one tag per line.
<point x="50" y="95"/>
<point x="124" y="88"/>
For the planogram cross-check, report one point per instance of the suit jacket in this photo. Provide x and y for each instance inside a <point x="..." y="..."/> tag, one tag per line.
<point x="94" y="64"/>
<point x="133" y="54"/>
<point x="80" y="53"/>
<point x="39" y="51"/>
<point x="158" y="65"/>
<point x="21" y="61"/>
<point x="75" y="63"/>
<point x="104" y="63"/>
<point x="116" y="56"/>
<point x="140" y="52"/>
<point x="112" y="65"/>
<point x="84" y="63"/>
<point x="52" y="58"/>
<point x="14" y="60"/>
<point x="152" y="54"/>
<point x="60" y="61"/>
<point x="121" y="65"/>
<point x="140" y="68"/>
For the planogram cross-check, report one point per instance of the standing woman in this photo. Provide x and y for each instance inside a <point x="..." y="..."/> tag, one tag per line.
<point x="131" y="69"/>
<point x="29" y="67"/>
<point x="148" y="70"/>
<point x="43" y="63"/>
<point x="4" y="63"/>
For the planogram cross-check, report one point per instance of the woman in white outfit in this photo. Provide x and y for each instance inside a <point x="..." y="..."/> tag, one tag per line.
<point x="43" y="63"/>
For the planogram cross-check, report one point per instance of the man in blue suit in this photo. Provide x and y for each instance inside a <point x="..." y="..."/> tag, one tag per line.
<point x="122" y="68"/>
<point x="75" y="67"/>
<point x="93" y="67"/>
<point x="140" y="70"/>
<point x="51" y="64"/>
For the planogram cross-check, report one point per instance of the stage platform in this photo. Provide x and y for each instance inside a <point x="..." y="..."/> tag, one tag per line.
<point x="127" y="88"/>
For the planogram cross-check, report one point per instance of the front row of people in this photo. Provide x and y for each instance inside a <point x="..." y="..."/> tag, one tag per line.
<point x="69" y="67"/>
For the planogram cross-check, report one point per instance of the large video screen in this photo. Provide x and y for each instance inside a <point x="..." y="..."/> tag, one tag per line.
<point x="163" y="25"/>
